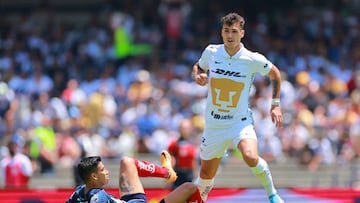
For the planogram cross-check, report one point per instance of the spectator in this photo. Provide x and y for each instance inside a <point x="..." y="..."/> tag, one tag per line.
<point x="43" y="147"/>
<point x="16" y="167"/>
<point x="322" y="150"/>
<point x="184" y="154"/>
<point x="7" y="109"/>
<point x="39" y="82"/>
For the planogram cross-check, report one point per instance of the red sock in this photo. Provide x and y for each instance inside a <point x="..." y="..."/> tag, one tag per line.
<point x="195" y="198"/>
<point x="148" y="169"/>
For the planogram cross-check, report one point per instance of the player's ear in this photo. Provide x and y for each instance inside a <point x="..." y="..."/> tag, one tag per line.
<point x="94" y="176"/>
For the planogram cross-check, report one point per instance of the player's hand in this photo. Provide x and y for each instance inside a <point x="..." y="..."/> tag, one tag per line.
<point x="276" y="115"/>
<point x="201" y="79"/>
<point x="200" y="76"/>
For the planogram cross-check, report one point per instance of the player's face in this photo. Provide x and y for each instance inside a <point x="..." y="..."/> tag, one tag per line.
<point x="102" y="174"/>
<point x="232" y="36"/>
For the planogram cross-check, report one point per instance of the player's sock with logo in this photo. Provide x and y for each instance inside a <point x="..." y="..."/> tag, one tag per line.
<point x="205" y="185"/>
<point x="262" y="172"/>
<point x="148" y="169"/>
<point x="196" y="197"/>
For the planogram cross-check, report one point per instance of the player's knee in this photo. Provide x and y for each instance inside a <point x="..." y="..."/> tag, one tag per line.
<point x="126" y="162"/>
<point x="251" y="159"/>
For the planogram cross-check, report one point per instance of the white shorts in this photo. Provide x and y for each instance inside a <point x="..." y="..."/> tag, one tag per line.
<point x="215" y="141"/>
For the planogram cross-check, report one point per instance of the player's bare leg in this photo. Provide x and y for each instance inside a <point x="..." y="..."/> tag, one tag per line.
<point x="207" y="173"/>
<point x="187" y="192"/>
<point x="132" y="169"/>
<point x="259" y="167"/>
<point x="129" y="181"/>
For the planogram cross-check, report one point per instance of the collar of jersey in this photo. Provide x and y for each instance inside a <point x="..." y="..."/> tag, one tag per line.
<point x="226" y="55"/>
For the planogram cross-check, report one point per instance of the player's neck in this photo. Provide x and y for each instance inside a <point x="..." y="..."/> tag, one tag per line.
<point x="232" y="50"/>
<point x="86" y="190"/>
<point x="88" y="187"/>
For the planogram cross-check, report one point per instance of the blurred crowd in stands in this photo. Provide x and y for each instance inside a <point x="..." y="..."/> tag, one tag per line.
<point x="70" y="89"/>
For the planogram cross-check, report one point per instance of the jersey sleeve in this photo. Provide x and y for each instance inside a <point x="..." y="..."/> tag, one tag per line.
<point x="261" y="64"/>
<point x="26" y="166"/>
<point x="103" y="197"/>
<point x="205" y="58"/>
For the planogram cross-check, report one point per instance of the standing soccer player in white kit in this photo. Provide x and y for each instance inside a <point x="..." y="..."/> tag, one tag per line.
<point x="229" y="69"/>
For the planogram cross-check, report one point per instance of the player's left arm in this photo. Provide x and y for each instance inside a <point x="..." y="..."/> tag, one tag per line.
<point x="275" y="110"/>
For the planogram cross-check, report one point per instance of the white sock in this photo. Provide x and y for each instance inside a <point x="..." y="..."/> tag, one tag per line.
<point x="205" y="186"/>
<point x="262" y="172"/>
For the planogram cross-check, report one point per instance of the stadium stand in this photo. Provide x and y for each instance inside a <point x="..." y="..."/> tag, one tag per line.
<point x="312" y="59"/>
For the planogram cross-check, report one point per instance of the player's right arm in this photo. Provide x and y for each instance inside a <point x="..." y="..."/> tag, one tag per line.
<point x="200" y="76"/>
<point x="200" y="73"/>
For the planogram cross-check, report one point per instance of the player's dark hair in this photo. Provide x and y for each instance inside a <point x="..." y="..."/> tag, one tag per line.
<point x="232" y="18"/>
<point x="87" y="166"/>
<point x="12" y="147"/>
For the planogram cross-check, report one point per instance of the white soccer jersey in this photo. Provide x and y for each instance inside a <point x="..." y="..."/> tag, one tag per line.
<point x="230" y="79"/>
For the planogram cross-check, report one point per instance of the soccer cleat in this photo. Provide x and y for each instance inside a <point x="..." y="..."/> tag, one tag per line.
<point x="165" y="159"/>
<point x="275" y="198"/>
